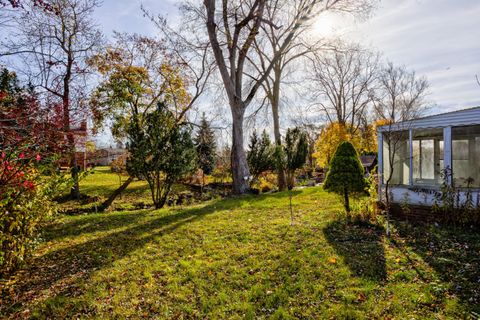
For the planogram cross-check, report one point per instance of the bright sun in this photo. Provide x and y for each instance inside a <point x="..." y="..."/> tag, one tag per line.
<point x="329" y="24"/>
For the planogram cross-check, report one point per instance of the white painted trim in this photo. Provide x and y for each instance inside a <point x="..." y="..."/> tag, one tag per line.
<point x="465" y="117"/>
<point x="410" y="144"/>
<point x="380" y="164"/>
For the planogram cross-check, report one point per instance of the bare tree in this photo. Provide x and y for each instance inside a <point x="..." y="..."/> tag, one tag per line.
<point x="279" y="13"/>
<point x="54" y="45"/>
<point x="401" y="94"/>
<point x="186" y="47"/>
<point x="284" y="13"/>
<point x="233" y="28"/>
<point x="343" y="83"/>
<point x="401" y="97"/>
<point x="6" y="15"/>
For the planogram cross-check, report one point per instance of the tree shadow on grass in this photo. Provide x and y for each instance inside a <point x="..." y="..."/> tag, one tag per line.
<point x="108" y="221"/>
<point x="91" y="223"/>
<point x="453" y="253"/>
<point x="58" y="271"/>
<point x="361" y="247"/>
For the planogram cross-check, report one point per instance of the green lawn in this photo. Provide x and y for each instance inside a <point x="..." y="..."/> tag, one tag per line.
<point x="240" y="258"/>
<point x="100" y="183"/>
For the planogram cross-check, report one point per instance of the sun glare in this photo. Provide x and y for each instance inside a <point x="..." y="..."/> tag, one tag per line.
<point x="330" y="24"/>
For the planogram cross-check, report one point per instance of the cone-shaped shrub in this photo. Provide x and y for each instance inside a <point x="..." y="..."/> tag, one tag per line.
<point x="346" y="173"/>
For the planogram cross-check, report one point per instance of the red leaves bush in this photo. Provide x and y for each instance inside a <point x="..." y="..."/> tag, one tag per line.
<point x="31" y="139"/>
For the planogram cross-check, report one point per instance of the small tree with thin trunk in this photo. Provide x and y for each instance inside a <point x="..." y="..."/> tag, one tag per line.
<point x="292" y="156"/>
<point x="161" y="152"/>
<point x="400" y="97"/>
<point x="343" y="83"/>
<point x="346" y="174"/>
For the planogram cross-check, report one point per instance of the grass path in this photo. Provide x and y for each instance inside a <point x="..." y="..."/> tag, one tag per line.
<point x="240" y="258"/>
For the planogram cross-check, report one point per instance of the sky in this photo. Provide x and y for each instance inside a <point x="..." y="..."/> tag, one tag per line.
<point x="439" y="39"/>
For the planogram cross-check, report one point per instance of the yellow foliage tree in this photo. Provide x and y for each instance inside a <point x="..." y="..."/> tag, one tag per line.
<point x="330" y="137"/>
<point x="137" y="75"/>
<point x="364" y="140"/>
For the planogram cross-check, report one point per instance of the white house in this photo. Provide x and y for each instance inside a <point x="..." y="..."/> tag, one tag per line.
<point x="414" y="155"/>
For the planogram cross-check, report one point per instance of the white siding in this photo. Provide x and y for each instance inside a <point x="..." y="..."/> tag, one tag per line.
<point x="402" y="194"/>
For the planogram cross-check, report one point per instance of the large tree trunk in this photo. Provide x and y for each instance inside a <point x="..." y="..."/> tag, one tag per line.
<point x="75" y="191"/>
<point x="275" y="102"/>
<point x="240" y="171"/>
<point x="74" y="169"/>
<point x="107" y="203"/>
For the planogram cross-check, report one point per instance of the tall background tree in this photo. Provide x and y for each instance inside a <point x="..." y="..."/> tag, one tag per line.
<point x="293" y="56"/>
<point x="268" y="45"/>
<point x="343" y="84"/>
<point x="206" y="147"/>
<point x="260" y="155"/>
<point x="53" y="46"/>
<point x="233" y="27"/>
<point x="401" y="94"/>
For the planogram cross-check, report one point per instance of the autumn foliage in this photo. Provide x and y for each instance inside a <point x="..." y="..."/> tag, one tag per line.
<point x="363" y="139"/>
<point x="137" y="74"/>
<point x="30" y="140"/>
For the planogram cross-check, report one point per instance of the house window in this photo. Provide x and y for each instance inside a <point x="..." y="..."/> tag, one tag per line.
<point x="427" y="157"/>
<point x="466" y="156"/>
<point x="396" y="158"/>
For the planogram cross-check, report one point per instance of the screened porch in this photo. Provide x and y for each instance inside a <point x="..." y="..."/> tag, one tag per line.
<point x="427" y="152"/>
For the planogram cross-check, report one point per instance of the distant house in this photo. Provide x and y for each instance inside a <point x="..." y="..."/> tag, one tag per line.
<point x="105" y="156"/>
<point x="416" y="155"/>
<point x="80" y="135"/>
